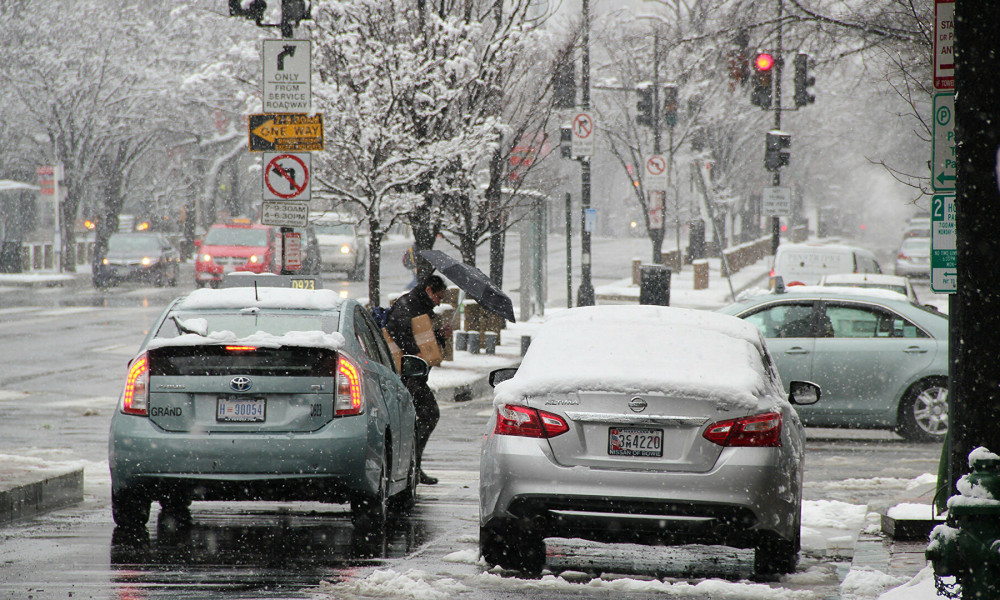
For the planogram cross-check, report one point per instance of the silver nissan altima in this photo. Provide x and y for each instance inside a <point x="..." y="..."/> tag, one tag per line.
<point x="643" y="424"/>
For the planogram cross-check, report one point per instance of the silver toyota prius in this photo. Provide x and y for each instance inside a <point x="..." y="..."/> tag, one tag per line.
<point x="264" y="393"/>
<point x="643" y="424"/>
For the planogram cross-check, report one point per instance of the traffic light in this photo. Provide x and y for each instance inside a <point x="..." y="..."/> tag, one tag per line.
<point x="670" y="104"/>
<point x="293" y="11"/>
<point x="564" y="85"/>
<point x="254" y="10"/>
<point x="644" y="105"/>
<point x="566" y="141"/>
<point x="776" y="150"/>
<point x="803" y="81"/>
<point x="760" y="95"/>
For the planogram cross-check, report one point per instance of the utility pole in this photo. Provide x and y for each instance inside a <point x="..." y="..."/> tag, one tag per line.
<point x="585" y="295"/>
<point x="974" y="308"/>
<point x="778" y="64"/>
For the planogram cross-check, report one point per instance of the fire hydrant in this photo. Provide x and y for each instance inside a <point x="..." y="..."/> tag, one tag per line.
<point x="967" y="547"/>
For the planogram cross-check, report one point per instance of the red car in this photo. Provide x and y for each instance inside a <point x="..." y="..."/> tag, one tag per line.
<point x="236" y="246"/>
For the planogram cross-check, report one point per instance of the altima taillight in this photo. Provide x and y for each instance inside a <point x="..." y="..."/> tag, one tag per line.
<point x="135" y="396"/>
<point x="348" y="400"/>
<point x="525" y="421"/>
<point x="758" y="430"/>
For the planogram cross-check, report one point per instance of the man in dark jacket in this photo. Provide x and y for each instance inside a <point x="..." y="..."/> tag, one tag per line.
<point x="421" y="300"/>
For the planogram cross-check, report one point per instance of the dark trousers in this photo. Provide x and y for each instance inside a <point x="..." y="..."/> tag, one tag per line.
<point x="427" y="412"/>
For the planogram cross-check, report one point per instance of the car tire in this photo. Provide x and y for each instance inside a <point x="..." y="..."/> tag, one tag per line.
<point x="511" y="547"/>
<point x="923" y="411"/>
<point x="199" y="284"/>
<point x="775" y="556"/>
<point x="160" y="278"/>
<point x="369" y="513"/>
<point x="130" y="509"/>
<point x="172" y="280"/>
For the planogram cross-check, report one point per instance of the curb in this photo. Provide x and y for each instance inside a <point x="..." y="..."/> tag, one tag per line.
<point x="19" y="500"/>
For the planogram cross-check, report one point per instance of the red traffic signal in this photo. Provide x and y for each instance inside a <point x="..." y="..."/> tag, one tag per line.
<point x="763" y="62"/>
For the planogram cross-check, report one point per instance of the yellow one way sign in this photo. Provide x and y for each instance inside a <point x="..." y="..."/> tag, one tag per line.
<point x="286" y="132"/>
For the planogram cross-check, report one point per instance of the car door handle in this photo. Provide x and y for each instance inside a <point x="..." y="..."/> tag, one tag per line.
<point x="915" y="350"/>
<point x="796" y="350"/>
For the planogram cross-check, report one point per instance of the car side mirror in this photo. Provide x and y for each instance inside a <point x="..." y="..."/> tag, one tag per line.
<point x="412" y="366"/>
<point x="197" y="243"/>
<point x="501" y="375"/>
<point x="803" y="393"/>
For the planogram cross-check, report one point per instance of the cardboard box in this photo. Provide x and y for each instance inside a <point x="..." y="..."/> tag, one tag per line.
<point x="397" y="354"/>
<point x="423" y="333"/>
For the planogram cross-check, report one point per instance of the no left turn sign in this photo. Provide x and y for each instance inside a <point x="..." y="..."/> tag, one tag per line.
<point x="286" y="176"/>
<point x="583" y="138"/>
<point x="656" y="172"/>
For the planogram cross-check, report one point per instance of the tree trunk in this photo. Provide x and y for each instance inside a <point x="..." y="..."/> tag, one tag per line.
<point x="375" y="234"/>
<point x="424" y="233"/>
<point x="67" y="228"/>
<point x="975" y="308"/>
<point x="656" y="236"/>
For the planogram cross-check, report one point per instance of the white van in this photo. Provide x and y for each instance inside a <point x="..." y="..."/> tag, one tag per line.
<point x="806" y="264"/>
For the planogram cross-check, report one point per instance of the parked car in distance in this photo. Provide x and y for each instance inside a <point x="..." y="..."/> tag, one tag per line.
<point x="881" y="360"/>
<point x="917" y="227"/>
<point x="142" y="257"/>
<point x="913" y="259"/>
<point x="239" y="245"/>
<point x="341" y="247"/>
<point x="643" y="424"/>
<point x="882" y="281"/>
<point x="264" y="392"/>
<point x="806" y="263"/>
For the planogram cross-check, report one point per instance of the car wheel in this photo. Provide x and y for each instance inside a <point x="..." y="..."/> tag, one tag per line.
<point x="172" y="281"/>
<point x="160" y="278"/>
<point x="369" y="513"/>
<point x="199" y="284"/>
<point x="215" y="284"/>
<point x="511" y="547"/>
<point x="923" y="411"/>
<point x="775" y="556"/>
<point x="130" y="509"/>
<point x="404" y="501"/>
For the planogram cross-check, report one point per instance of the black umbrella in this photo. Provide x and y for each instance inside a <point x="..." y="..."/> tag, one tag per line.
<point x="474" y="282"/>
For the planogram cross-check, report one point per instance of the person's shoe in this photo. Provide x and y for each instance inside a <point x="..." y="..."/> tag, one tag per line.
<point x="427" y="479"/>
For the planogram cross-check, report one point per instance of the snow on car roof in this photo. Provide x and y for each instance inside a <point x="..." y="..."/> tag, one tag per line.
<point x="261" y="339"/>
<point x="260" y="297"/>
<point x="673" y="351"/>
<point x="825" y="290"/>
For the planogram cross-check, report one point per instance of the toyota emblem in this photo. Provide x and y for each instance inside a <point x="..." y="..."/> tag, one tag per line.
<point x="241" y="383"/>
<point x="637" y="404"/>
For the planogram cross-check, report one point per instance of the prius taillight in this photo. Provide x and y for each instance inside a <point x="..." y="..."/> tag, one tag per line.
<point x="758" y="430"/>
<point x="348" y="400"/>
<point x="513" y="419"/>
<point x="135" y="396"/>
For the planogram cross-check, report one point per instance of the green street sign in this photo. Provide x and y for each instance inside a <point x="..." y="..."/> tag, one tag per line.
<point x="944" y="255"/>
<point x="943" y="160"/>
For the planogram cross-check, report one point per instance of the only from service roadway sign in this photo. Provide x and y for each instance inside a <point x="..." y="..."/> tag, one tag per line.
<point x="286" y="176"/>
<point x="287" y="76"/>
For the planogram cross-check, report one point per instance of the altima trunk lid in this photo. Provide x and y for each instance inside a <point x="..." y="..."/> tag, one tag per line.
<point x="641" y="431"/>
<point x="218" y="388"/>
